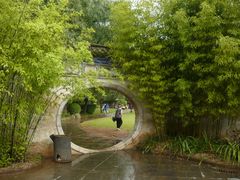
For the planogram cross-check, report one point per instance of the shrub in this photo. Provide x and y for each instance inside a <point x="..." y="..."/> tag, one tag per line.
<point x="189" y="145"/>
<point x="18" y="154"/>
<point x="74" y="108"/>
<point x="183" y="145"/>
<point x="229" y="151"/>
<point x="149" y="144"/>
<point x="91" y="108"/>
<point x="5" y="159"/>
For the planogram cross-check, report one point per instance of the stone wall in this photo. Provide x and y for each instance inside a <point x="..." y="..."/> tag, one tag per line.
<point x="51" y="122"/>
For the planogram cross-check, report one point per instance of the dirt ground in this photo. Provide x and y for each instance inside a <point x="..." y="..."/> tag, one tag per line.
<point x="105" y="133"/>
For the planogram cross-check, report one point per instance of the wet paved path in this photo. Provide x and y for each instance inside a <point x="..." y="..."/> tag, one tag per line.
<point x="120" y="166"/>
<point x="83" y="139"/>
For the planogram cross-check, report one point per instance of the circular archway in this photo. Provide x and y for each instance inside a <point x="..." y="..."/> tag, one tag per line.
<point x="51" y="121"/>
<point x="139" y="117"/>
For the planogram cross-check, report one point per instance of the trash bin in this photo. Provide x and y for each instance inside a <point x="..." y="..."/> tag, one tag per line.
<point x="62" y="148"/>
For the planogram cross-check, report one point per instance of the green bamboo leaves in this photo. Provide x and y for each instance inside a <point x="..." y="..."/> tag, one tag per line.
<point x="33" y="45"/>
<point x="183" y="56"/>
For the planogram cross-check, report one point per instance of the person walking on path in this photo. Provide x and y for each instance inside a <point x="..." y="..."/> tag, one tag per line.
<point x="118" y="117"/>
<point x="105" y="108"/>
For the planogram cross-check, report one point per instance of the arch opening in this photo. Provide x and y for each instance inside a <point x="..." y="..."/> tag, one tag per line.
<point x="91" y="123"/>
<point x="127" y="141"/>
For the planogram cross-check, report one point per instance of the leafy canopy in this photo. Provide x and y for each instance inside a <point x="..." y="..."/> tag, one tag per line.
<point x="183" y="56"/>
<point x="34" y="50"/>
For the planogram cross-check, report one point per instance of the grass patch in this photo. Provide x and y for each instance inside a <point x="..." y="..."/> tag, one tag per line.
<point x="106" y="122"/>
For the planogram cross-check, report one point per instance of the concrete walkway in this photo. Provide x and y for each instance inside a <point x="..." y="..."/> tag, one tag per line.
<point x="120" y="165"/>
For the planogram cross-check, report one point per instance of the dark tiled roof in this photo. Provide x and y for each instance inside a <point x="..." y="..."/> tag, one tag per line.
<point x="100" y="54"/>
<point x="102" y="60"/>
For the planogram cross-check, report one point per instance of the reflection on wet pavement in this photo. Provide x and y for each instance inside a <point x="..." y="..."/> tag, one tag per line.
<point x="120" y="165"/>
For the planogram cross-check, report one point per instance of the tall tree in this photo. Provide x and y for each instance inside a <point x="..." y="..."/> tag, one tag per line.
<point x="95" y="15"/>
<point x="32" y="49"/>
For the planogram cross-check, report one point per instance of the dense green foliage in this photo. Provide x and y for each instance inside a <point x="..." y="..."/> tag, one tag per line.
<point x="33" y="49"/>
<point x="229" y="151"/>
<point x="91" y="108"/>
<point x="183" y="56"/>
<point x="113" y="97"/>
<point x="74" y="108"/>
<point x="189" y="145"/>
<point x="95" y="15"/>
<point x="98" y="96"/>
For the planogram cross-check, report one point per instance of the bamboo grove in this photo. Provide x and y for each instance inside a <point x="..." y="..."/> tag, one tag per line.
<point x="183" y="56"/>
<point x="35" y="47"/>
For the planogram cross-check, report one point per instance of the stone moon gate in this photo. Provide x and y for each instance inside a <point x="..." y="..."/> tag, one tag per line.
<point x="51" y="121"/>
